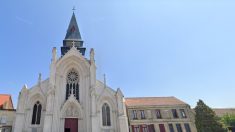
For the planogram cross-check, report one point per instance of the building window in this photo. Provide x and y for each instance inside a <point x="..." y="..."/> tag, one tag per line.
<point x="106" y="119"/>
<point x="158" y="114"/>
<point x="171" y="128"/>
<point x="187" y="127"/>
<point x="183" y="114"/>
<point x="134" y="114"/>
<point x="174" y="113"/>
<point x="151" y="128"/>
<point x="3" y="120"/>
<point x="179" y="129"/>
<point x="136" y="128"/>
<point x="142" y="114"/>
<point x="145" y="128"/>
<point x="72" y="86"/>
<point x="162" y="128"/>
<point x="5" y="129"/>
<point x="37" y="108"/>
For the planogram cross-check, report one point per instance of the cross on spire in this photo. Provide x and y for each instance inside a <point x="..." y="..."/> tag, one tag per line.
<point x="73" y="8"/>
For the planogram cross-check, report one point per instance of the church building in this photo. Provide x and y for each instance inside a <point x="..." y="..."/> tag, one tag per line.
<point x="71" y="99"/>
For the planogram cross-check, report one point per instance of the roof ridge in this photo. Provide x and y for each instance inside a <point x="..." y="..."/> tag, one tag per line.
<point x="223" y="108"/>
<point x="154" y="101"/>
<point x="6" y="94"/>
<point x="150" y="97"/>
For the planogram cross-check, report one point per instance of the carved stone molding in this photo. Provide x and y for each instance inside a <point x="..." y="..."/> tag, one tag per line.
<point x="72" y="108"/>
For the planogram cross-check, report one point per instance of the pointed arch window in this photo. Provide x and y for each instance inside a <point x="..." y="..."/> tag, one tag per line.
<point x="72" y="85"/>
<point x="37" y="108"/>
<point x="106" y="119"/>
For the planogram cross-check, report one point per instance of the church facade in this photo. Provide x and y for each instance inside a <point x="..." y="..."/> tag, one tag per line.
<point x="71" y="99"/>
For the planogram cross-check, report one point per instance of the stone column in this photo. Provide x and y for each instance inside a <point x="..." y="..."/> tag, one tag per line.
<point x="94" y="117"/>
<point x="49" y="112"/>
<point x="123" y="121"/>
<point x="21" y="111"/>
<point x="19" y="122"/>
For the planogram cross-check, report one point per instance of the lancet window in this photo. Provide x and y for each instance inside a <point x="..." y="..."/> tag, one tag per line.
<point x="106" y="119"/>
<point x="37" y="109"/>
<point x="72" y="85"/>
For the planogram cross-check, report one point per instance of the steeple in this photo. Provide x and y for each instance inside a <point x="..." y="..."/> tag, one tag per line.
<point x="73" y="31"/>
<point x="73" y="38"/>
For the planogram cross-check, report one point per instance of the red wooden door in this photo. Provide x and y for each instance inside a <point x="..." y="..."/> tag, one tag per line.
<point x="71" y="125"/>
<point x="162" y="128"/>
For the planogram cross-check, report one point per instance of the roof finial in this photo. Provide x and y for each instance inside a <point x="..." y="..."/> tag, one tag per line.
<point x="104" y="81"/>
<point x="39" y="78"/>
<point x="73" y="9"/>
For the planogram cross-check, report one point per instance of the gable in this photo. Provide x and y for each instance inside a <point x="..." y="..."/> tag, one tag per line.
<point x="6" y="101"/>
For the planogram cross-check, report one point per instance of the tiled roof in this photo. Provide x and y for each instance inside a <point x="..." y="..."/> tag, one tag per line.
<point x="5" y="98"/>
<point x="153" y="101"/>
<point x="220" y="112"/>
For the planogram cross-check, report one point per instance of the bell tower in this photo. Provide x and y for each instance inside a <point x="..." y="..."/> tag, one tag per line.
<point x="73" y="38"/>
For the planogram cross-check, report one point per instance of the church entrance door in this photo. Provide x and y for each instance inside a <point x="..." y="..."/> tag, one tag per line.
<point x="71" y="125"/>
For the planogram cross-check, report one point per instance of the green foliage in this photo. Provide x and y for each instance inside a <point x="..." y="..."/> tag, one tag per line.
<point x="228" y="120"/>
<point x="206" y="120"/>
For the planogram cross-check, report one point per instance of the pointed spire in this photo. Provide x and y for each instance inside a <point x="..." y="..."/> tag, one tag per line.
<point x="24" y="87"/>
<point x="73" y="32"/>
<point x="73" y="37"/>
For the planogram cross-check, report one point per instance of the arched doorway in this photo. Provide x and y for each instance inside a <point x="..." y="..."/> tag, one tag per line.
<point x="71" y="115"/>
<point x="71" y="125"/>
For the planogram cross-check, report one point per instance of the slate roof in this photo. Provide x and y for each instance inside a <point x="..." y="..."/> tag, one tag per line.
<point x="153" y="101"/>
<point x="72" y="38"/>
<point x="73" y="32"/>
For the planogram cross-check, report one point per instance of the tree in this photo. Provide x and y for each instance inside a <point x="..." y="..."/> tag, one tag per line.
<point x="206" y="120"/>
<point x="228" y="121"/>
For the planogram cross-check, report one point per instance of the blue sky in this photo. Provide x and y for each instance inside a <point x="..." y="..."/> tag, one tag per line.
<point x="147" y="48"/>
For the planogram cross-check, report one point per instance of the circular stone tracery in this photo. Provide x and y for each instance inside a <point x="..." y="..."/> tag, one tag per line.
<point x="73" y="76"/>
<point x="72" y="86"/>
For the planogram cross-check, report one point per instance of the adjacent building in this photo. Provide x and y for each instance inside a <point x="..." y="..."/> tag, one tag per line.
<point x="159" y="114"/>
<point x="7" y="113"/>
<point x="220" y="112"/>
